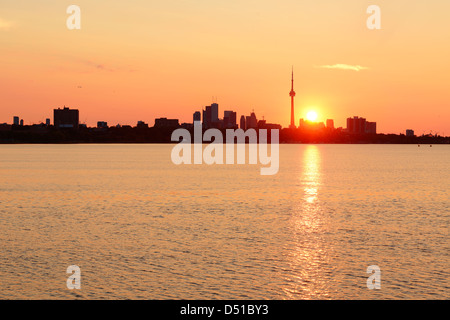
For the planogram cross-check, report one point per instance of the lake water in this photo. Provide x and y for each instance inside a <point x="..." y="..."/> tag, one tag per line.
<point x="140" y="227"/>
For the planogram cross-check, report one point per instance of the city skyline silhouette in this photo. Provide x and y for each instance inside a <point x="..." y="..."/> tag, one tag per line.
<point x="135" y="63"/>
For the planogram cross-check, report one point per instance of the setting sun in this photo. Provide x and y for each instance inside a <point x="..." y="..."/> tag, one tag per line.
<point x="311" y="116"/>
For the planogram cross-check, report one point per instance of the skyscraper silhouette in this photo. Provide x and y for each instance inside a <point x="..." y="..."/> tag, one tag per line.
<point x="292" y="94"/>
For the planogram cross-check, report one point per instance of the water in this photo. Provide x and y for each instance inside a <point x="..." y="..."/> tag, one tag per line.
<point x="140" y="227"/>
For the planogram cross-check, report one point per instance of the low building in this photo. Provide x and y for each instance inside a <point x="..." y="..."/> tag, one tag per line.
<point x="371" y="127"/>
<point x="166" y="123"/>
<point x="307" y="125"/>
<point x="141" y="124"/>
<point x="66" y="118"/>
<point x="187" y="126"/>
<point x="102" y="124"/>
<point x="262" y="124"/>
<point x="5" y="127"/>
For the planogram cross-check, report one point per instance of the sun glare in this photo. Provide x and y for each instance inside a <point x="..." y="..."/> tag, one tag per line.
<point x="311" y="116"/>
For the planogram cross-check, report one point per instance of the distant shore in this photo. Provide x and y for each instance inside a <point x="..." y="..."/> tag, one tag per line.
<point x="127" y="134"/>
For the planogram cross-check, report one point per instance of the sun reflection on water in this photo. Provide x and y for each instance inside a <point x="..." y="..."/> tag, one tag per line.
<point x="307" y="252"/>
<point x="311" y="173"/>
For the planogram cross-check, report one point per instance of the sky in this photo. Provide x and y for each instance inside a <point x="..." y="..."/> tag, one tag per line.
<point x="143" y="59"/>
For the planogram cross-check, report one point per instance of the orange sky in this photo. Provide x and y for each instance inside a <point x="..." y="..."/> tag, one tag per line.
<point x="142" y="59"/>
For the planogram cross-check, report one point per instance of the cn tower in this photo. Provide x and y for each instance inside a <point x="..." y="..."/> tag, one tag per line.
<point x="292" y="94"/>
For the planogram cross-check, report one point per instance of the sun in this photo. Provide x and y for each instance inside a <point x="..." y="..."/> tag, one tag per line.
<point x="311" y="116"/>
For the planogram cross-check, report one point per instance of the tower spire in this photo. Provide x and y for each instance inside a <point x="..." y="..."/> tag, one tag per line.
<point x="292" y="95"/>
<point x="292" y="88"/>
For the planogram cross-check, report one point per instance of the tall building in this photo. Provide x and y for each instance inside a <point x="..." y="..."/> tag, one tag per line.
<point x="211" y="116"/>
<point x="302" y="123"/>
<point x="47" y="122"/>
<point x="358" y="125"/>
<point x="409" y="133"/>
<point x="233" y="120"/>
<point x="214" y="112"/>
<point x="16" y="121"/>
<point x="207" y="117"/>
<point x="251" y="122"/>
<point x="242" y="123"/>
<point x="330" y="123"/>
<point x="292" y="95"/>
<point x="197" y="116"/>
<point x="66" y="118"/>
<point x="229" y="119"/>
<point x="350" y="125"/>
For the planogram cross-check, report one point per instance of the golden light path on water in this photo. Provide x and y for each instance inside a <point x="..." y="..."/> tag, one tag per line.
<point x="310" y="252"/>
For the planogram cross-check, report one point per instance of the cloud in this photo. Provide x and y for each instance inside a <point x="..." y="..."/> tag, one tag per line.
<point x="5" y="25"/>
<point x="102" y="67"/>
<point x="341" y="66"/>
<point x="97" y="66"/>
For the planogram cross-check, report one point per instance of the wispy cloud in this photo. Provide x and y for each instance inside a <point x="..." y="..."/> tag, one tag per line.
<point x="102" y="67"/>
<point x="5" y="25"/>
<point x="97" y="66"/>
<point x="341" y="66"/>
